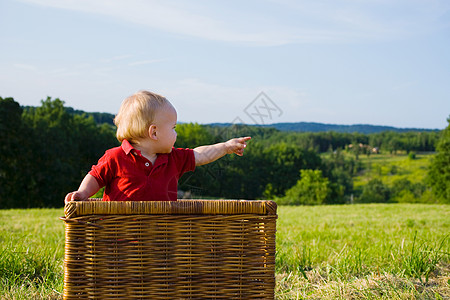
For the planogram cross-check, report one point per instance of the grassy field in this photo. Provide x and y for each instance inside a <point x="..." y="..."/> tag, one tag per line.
<point x="384" y="251"/>
<point x="32" y="250"/>
<point x="390" y="168"/>
<point x="395" y="251"/>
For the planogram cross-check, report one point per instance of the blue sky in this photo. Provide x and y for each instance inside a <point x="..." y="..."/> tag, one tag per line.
<point x="380" y="62"/>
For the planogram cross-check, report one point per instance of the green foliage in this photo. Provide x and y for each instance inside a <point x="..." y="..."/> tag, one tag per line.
<point x="47" y="150"/>
<point x="311" y="189"/>
<point x="402" y="176"/>
<point x="375" y="192"/>
<point x="282" y="162"/>
<point x="403" y="190"/>
<point x="13" y="153"/>
<point x="248" y="177"/>
<point x="439" y="172"/>
<point x="388" y="141"/>
<point x="340" y="169"/>
<point x="191" y="135"/>
<point x="99" y="118"/>
<point x="52" y="150"/>
<point x="406" y="141"/>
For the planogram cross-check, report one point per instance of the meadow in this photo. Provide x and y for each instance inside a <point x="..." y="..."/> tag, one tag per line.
<point x="392" y="169"/>
<point x="370" y="251"/>
<point x="364" y="251"/>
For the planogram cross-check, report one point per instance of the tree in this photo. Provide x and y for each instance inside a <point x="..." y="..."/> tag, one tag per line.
<point x="403" y="190"/>
<point x="65" y="146"/>
<point x="439" y="171"/>
<point x="12" y="158"/>
<point x="282" y="162"/>
<point x="339" y="169"/>
<point x="191" y="135"/>
<point x="375" y="192"/>
<point x="45" y="152"/>
<point x="311" y="189"/>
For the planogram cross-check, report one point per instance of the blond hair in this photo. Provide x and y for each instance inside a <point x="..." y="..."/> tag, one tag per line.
<point x="136" y="114"/>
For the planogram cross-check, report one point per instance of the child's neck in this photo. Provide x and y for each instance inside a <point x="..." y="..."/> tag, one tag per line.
<point x="146" y="151"/>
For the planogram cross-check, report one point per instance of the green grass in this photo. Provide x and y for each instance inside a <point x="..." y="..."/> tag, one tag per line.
<point x="31" y="251"/>
<point x="390" y="251"/>
<point x="390" y="168"/>
<point x="385" y="251"/>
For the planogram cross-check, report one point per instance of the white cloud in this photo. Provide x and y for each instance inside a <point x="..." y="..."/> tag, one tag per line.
<point x="145" y="62"/>
<point x="177" y="18"/>
<point x="115" y="58"/>
<point x="293" y="22"/>
<point x="26" y="67"/>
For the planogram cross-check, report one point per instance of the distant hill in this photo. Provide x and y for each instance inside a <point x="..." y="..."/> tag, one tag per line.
<point x="361" y="128"/>
<point x="295" y="126"/>
<point x="321" y="127"/>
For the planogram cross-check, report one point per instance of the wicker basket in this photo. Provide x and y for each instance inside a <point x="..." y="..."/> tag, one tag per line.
<point x="186" y="249"/>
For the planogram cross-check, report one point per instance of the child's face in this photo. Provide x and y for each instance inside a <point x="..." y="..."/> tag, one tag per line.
<point x="166" y="120"/>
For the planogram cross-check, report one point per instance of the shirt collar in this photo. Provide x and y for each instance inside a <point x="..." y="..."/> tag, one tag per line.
<point x="127" y="147"/>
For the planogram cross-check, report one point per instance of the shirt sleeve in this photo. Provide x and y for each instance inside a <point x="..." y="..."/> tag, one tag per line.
<point x="102" y="170"/>
<point x="184" y="159"/>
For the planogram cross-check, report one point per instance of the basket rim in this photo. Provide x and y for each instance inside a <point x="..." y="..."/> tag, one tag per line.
<point x="180" y="207"/>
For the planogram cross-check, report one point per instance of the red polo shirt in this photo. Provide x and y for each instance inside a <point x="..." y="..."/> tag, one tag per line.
<point x="128" y="176"/>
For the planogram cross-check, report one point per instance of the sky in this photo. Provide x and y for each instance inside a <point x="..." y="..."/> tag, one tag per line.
<point x="378" y="62"/>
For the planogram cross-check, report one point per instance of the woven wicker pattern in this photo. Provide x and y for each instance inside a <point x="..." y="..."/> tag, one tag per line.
<point x="187" y="249"/>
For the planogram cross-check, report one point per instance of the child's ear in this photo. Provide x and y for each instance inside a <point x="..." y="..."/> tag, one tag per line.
<point x="152" y="132"/>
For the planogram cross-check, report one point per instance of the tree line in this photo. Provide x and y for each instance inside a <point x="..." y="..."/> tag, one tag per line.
<point x="45" y="152"/>
<point x="291" y="168"/>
